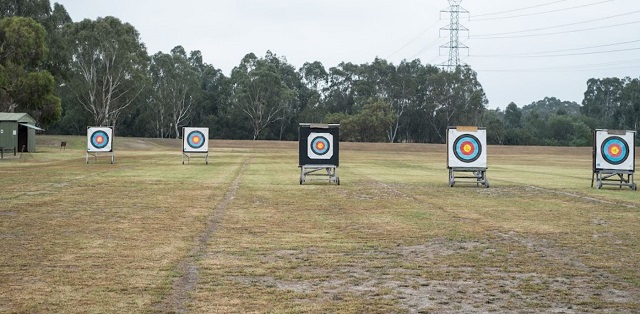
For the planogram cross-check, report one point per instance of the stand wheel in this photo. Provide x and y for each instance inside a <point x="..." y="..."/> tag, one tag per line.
<point x="183" y="162"/>
<point x="206" y="162"/>
<point x="451" y="183"/>
<point x="338" y="180"/>
<point x="634" y="187"/>
<point x="301" y="181"/>
<point x="486" y="183"/>
<point x="598" y="185"/>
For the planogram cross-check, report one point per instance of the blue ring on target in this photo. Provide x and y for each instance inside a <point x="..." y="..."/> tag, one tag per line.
<point x="96" y="135"/>
<point x="193" y="137"/>
<point x="614" y="142"/>
<point x="320" y="140"/>
<point x="463" y="156"/>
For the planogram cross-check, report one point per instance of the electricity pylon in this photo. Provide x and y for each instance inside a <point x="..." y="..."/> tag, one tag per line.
<point x="454" y="29"/>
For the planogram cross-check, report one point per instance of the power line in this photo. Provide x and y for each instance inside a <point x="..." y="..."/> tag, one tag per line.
<point x="539" y="13"/>
<point x="558" y="70"/>
<point x="531" y="54"/>
<point x="426" y="47"/>
<point x="558" y="55"/>
<point x="556" y="33"/>
<point x="414" y="39"/>
<point x="522" y="9"/>
<point x="583" y="67"/>
<point x="558" y="26"/>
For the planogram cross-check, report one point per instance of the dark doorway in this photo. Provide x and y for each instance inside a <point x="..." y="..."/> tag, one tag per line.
<point x="23" y="138"/>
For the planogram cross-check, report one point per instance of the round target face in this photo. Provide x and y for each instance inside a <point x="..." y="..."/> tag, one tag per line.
<point x="195" y="139"/>
<point x="614" y="150"/>
<point x="100" y="139"/>
<point x="467" y="148"/>
<point x="320" y="145"/>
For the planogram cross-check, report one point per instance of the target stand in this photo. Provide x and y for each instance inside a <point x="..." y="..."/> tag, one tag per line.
<point x="100" y="141"/>
<point x="319" y="152"/>
<point x="467" y="155"/>
<point x="613" y="178"/>
<point x="468" y="175"/>
<point x="614" y="159"/>
<point x="195" y="142"/>
<point x="310" y="173"/>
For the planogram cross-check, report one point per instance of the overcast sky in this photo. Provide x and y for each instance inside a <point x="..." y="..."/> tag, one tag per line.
<point x="522" y="50"/>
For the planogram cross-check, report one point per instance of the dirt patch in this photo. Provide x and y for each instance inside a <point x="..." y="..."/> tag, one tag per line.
<point x="420" y="283"/>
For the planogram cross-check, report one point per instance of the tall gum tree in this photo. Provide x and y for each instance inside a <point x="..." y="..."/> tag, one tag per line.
<point x="175" y="84"/>
<point x="108" y="66"/>
<point x="259" y="91"/>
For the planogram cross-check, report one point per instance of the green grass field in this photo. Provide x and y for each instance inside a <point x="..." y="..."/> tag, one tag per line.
<point x="240" y="235"/>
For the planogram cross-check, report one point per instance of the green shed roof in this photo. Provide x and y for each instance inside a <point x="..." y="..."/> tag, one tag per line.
<point x="17" y="117"/>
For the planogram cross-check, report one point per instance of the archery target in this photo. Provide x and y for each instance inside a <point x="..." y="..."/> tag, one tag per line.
<point x="195" y="140"/>
<point x="99" y="139"/>
<point x="320" y="146"/>
<point x="467" y="149"/>
<point x="614" y="151"/>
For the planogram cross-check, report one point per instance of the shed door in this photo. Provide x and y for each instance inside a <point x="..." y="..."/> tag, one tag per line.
<point x="23" y="138"/>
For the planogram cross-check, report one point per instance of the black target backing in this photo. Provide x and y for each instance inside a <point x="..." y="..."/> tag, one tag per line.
<point x="304" y="130"/>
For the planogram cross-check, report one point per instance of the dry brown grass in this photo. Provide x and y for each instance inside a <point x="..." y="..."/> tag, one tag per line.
<point x="392" y="238"/>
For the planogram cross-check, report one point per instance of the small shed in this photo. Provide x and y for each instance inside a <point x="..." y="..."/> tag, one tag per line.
<point x="18" y="130"/>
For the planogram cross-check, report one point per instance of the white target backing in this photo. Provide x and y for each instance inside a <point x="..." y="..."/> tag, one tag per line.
<point x="466" y="147"/>
<point x="320" y="146"/>
<point x="99" y="139"/>
<point x="614" y="150"/>
<point x="195" y="140"/>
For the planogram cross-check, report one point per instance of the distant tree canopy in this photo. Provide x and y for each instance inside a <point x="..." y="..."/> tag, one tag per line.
<point x="98" y="72"/>
<point x="24" y="85"/>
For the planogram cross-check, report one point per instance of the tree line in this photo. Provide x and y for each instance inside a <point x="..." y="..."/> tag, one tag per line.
<point x="70" y="75"/>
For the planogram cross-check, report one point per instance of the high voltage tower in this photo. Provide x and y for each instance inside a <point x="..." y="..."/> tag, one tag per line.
<point x="454" y="29"/>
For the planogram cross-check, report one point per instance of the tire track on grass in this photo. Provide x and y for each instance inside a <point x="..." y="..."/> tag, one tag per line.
<point x="183" y="286"/>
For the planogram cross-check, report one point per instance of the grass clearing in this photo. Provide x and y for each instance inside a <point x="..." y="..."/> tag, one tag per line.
<point x="393" y="237"/>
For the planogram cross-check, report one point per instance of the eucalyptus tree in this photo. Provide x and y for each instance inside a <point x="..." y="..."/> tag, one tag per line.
<point x="513" y="116"/>
<point x="294" y="103"/>
<point x="213" y="101"/>
<point x="52" y="20"/>
<point x="259" y="92"/>
<point x="315" y="79"/>
<point x="24" y="85"/>
<point x="602" y="99"/>
<point x="108" y="66"/>
<point x="175" y="90"/>
<point x="454" y="98"/>
<point x="629" y="111"/>
<point x="341" y="90"/>
<point x="408" y="78"/>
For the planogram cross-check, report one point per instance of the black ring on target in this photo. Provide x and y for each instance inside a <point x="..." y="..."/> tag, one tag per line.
<point x="95" y="139"/>
<point x="461" y="154"/>
<point x="195" y="139"/>
<point x="614" y="150"/>
<point x="320" y="145"/>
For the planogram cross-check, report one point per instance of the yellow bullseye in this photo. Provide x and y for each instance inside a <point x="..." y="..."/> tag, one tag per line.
<point x="615" y="150"/>
<point x="467" y="148"/>
<point x="320" y="145"/>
